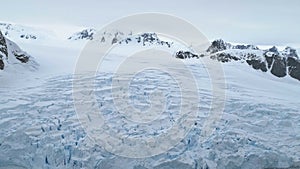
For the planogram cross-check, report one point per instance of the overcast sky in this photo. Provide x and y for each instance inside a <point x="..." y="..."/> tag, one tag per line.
<point x="254" y="21"/>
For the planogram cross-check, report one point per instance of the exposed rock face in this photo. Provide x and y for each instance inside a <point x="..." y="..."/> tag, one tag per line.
<point x="3" y="46"/>
<point x="218" y="45"/>
<point x="224" y="57"/>
<point x="3" y="50"/>
<point x="293" y="67"/>
<point x="22" y="57"/>
<point x="146" y="39"/>
<point x="185" y="55"/>
<point x="274" y="50"/>
<point x="87" y="34"/>
<point x="114" y="40"/>
<point x="290" y="52"/>
<point x="1" y="64"/>
<point x="258" y="65"/>
<point x="282" y="63"/>
<point x="242" y="47"/>
<point x="11" y="54"/>
<point x="279" y="66"/>
<point x="151" y="38"/>
<point x="278" y="63"/>
<point x="28" y="36"/>
<point x="114" y="37"/>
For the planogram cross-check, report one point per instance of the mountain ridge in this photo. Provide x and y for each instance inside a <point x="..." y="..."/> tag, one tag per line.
<point x="280" y="63"/>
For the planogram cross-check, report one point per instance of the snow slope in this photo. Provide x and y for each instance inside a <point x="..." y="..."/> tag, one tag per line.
<point x="13" y="60"/>
<point x="23" y="33"/>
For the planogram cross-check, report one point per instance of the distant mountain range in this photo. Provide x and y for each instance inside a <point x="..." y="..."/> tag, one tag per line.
<point x="113" y="37"/>
<point x="279" y="63"/>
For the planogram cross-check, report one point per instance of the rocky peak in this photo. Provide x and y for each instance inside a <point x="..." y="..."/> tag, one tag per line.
<point x="218" y="45"/>
<point x="273" y="50"/>
<point x="115" y="36"/>
<point x="87" y="34"/>
<point x="151" y="38"/>
<point x="243" y="47"/>
<point x="186" y="55"/>
<point x="290" y="52"/>
<point x="278" y="63"/>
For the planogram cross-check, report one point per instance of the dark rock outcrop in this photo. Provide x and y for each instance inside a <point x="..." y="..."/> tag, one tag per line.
<point x="185" y="55"/>
<point x="22" y="57"/>
<point x="278" y="63"/>
<point x="3" y="50"/>
<point x="293" y="67"/>
<point x="118" y="37"/>
<point x="221" y="45"/>
<point x="10" y="53"/>
<point x="145" y="39"/>
<point x="151" y="38"/>
<point x="87" y="34"/>
<point x="114" y="40"/>
<point x="279" y="66"/>
<point x="28" y="36"/>
<point x="243" y="47"/>
<point x="290" y="52"/>
<point x="3" y="46"/>
<point x="218" y="45"/>
<point x="274" y="50"/>
<point x="127" y="40"/>
<point x="224" y="57"/>
<point x="1" y="64"/>
<point x="258" y="65"/>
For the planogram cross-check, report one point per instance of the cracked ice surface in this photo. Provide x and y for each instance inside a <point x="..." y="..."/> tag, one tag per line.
<point x="259" y="128"/>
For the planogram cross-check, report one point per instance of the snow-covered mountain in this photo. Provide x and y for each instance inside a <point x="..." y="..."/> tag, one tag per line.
<point x="16" y="31"/>
<point x="13" y="58"/>
<point x="86" y="34"/>
<point x="36" y="33"/>
<point x="116" y="36"/>
<point x="279" y="63"/>
<point x="106" y="37"/>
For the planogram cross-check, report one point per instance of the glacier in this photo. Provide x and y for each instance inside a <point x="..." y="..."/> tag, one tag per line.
<point x="259" y="127"/>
